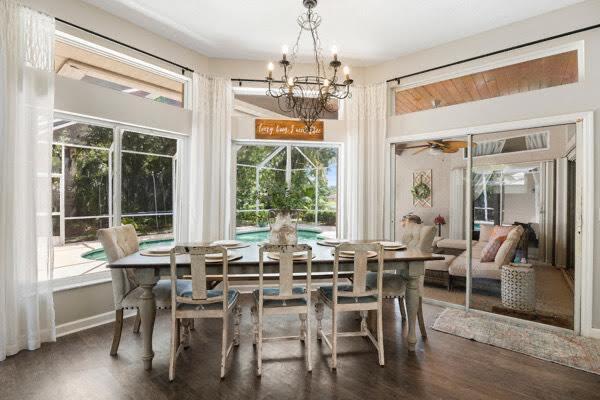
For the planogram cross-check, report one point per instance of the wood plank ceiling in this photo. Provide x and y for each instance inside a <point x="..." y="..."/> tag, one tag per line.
<point x="555" y="70"/>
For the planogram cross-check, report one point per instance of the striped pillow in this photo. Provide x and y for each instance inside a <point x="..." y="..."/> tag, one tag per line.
<point x="488" y="253"/>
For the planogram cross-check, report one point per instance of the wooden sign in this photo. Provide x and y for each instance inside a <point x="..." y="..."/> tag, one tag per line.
<point x="287" y="129"/>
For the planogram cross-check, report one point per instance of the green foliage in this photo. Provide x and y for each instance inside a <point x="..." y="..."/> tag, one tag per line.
<point x="147" y="180"/>
<point x="273" y="194"/>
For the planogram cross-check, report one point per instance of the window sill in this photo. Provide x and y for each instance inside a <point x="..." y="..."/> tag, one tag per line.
<point x="75" y="282"/>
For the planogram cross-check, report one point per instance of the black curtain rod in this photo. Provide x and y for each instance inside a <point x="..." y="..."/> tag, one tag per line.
<point x="183" y="67"/>
<point x="241" y="80"/>
<point x="397" y="79"/>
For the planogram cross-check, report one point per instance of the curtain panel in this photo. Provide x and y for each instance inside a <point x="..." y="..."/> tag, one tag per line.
<point x="26" y="117"/>
<point x="204" y="197"/>
<point x="362" y="200"/>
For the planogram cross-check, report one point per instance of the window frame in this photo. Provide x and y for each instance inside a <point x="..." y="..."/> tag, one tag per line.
<point x="72" y="40"/>
<point x="236" y="144"/>
<point x="115" y="188"/>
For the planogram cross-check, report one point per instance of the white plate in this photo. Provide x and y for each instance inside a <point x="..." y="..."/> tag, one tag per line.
<point x="298" y="255"/>
<point x="226" y="243"/>
<point x="350" y="254"/>
<point x="335" y="241"/>
<point x="392" y="245"/>
<point x="159" y="250"/>
<point x="216" y="256"/>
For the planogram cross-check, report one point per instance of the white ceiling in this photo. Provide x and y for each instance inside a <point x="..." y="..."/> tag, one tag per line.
<point x="365" y="31"/>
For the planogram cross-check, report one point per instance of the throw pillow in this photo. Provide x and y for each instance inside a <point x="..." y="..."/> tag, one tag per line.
<point x="488" y="253"/>
<point x="501" y="230"/>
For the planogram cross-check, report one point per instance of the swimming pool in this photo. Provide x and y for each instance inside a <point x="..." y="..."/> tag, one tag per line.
<point x="253" y="236"/>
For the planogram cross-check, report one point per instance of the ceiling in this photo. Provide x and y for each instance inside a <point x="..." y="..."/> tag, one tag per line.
<point x="366" y="31"/>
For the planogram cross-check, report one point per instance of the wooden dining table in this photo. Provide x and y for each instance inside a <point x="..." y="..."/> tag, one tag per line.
<point x="410" y="264"/>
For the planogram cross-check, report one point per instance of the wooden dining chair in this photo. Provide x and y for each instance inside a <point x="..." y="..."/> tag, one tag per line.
<point x="200" y="302"/>
<point x="355" y="297"/>
<point x="415" y="236"/>
<point x="284" y="299"/>
<point x="118" y="242"/>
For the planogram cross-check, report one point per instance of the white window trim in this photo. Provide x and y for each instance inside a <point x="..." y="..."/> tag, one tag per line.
<point x="94" y="278"/>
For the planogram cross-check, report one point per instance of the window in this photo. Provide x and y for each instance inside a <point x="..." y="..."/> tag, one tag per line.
<point x="253" y="101"/>
<point x="84" y="179"/>
<point x="261" y="169"/>
<point x="80" y="60"/>
<point x="148" y="173"/>
<point x="530" y="142"/>
<point x="540" y="73"/>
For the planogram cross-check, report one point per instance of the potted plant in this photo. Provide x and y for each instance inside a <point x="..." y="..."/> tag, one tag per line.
<point x="285" y="205"/>
<point x="439" y="221"/>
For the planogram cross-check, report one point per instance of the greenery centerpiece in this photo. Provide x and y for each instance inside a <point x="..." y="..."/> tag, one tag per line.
<point x="286" y="205"/>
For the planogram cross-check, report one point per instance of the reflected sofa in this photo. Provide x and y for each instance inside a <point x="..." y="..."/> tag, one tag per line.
<point x="453" y="268"/>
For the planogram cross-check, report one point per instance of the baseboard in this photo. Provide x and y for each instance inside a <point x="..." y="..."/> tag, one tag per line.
<point x="594" y="333"/>
<point x="89" y="322"/>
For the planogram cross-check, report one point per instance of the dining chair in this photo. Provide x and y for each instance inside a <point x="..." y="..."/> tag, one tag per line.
<point x="415" y="236"/>
<point x="199" y="302"/>
<point x="283" y="299"/>
<point x="118" y="242"/>
<point x="355" y="297"/>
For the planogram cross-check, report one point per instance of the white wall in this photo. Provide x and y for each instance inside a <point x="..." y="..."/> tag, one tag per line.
<point x="440" y="166"/>
<point x="578" y="97"/>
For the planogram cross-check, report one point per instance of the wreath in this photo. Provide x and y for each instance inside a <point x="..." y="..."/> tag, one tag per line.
<point x="421" y="191"/>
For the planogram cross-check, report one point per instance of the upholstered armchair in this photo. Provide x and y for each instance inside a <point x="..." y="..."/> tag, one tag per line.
<point x="414" y="236"/>
<point x="118" y="242"/>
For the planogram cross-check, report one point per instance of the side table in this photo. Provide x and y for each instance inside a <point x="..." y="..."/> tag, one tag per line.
<point x="518" y="287"/>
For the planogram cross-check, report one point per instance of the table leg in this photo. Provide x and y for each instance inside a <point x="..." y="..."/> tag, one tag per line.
<point x="412" y="305"/>
<point x="147" y="315"/>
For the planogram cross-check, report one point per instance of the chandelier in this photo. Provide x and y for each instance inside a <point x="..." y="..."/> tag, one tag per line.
<point x="308" y="97"/>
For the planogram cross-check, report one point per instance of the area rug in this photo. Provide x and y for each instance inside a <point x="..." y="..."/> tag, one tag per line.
<point x="560" y="347"/>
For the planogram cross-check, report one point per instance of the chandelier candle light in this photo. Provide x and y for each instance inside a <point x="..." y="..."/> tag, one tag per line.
<point x="307" y="97"/>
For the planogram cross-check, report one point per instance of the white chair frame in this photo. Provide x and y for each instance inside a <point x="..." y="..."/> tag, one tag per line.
<point x="285" y="287"/>
<point x="200" y="299"/>
<point x="359" y="289"/>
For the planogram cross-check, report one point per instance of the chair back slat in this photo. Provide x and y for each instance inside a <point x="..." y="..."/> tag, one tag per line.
<point x="198" y="263"/>
<point x="286" y="269"/>
<point x="360" y="268"/>
<point x="286" y="273"/>
<point x="198" y="268"/>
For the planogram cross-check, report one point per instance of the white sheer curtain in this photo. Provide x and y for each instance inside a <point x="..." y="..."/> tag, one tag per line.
<point x="489" y="148"/>
<point x="363" y="173"/>
<point x="204" y="201"/>
<point x="26" y="110"/>
<point x="536" y="141"/>
<point x="480" y="180"/>
<point x="456" y="220"/>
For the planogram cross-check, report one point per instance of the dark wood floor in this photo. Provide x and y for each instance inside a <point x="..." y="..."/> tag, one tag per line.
<point x="444" y="367"/>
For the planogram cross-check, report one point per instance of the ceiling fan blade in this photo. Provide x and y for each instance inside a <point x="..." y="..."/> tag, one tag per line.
<point x="420" y="150"/>
<point x="416" y="147"/>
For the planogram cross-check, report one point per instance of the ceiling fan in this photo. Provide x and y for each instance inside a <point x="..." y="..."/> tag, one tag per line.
<point x="437" y="146"/>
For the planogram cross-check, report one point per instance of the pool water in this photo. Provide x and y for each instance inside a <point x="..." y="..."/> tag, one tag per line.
<point x="254" y="236"/>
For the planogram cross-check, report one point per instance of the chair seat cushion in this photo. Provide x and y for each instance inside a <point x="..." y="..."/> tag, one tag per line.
<point x="162" y="293"/>
<point x="280" y="303"/>
<point x="327" y="293"/>
<point x="232" y="297"/>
